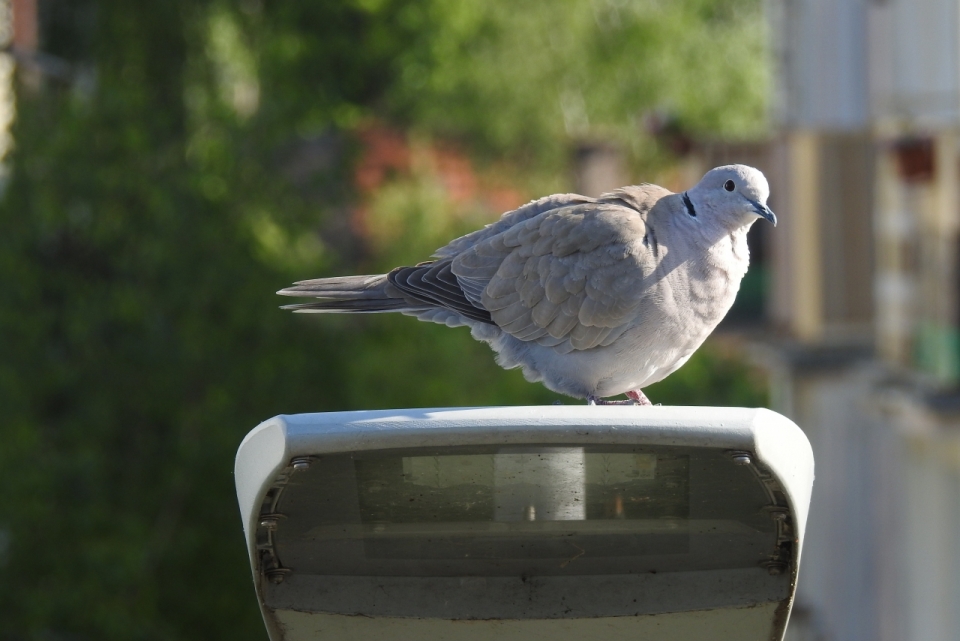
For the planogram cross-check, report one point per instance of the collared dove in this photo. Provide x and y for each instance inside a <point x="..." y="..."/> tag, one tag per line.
<point x="593" y="297"/>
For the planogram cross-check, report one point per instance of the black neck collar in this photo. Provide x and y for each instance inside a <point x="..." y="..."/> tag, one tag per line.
<point x="689" y="205"/>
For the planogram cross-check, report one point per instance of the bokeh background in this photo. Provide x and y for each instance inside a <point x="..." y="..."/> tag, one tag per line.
<point x="167" y="166"/>
<point x="170" y="165"/>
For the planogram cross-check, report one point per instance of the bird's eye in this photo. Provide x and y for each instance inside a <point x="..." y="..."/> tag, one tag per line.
<point x="729" y="185"/>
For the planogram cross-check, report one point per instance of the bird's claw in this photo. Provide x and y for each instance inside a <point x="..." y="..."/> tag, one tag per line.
<point x="634" y="397"/>
<point x="593" y="400"/>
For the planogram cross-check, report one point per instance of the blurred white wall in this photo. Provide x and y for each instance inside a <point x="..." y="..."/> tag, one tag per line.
<point x="866" y="299"/>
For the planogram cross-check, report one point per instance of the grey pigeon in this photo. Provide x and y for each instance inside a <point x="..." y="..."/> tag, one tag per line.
<point x="593" y="297"/>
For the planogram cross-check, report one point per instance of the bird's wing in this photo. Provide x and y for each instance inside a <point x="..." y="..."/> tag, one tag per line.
<point x="508" y="220"/>
<point x="571" y="278"/>
<point x="434" y="286"/>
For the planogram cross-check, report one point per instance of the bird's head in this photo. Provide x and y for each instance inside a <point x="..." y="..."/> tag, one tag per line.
<point x="732" y="195"/>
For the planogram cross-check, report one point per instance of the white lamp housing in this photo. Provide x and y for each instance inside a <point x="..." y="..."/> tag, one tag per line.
<point x="526" y="523"/>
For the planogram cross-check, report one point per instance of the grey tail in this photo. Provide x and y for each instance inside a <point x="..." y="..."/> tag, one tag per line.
<point x="345" y="294"/>
<point x="422" y="288"/>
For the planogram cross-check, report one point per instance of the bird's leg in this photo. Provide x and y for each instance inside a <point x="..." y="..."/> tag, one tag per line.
<point x="638" y="397"/>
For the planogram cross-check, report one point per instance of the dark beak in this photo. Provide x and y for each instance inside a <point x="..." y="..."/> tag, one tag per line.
<point x="764" y="212"/>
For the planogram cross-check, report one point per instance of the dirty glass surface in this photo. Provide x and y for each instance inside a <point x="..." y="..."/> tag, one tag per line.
<point x="528" y="511"/>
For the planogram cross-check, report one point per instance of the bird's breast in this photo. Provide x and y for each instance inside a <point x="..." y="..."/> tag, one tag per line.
<point x="706" y="285"/>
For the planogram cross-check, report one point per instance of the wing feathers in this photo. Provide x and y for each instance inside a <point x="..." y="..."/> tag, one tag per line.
<point x="427" y="283"/>
<point x="569" y="276"/>
<point x="565" y="271"/>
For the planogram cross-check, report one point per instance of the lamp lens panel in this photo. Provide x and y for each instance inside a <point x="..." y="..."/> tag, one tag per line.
<point x="530" y="511"/>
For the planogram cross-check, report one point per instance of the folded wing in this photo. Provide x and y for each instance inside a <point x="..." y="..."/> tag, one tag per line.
<point x="570" y="278"/>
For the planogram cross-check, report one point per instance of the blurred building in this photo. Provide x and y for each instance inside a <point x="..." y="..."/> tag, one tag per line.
<point x="863" y="295"/>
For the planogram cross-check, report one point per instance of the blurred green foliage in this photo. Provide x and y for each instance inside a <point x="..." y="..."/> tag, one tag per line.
<point x="155" y="204"/>
<point x="527" y="75"/>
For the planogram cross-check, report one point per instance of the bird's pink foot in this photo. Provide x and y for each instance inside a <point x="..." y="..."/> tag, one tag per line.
<point x="638" y="397"/>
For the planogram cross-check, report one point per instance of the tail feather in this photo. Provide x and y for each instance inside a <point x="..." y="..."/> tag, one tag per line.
<point x="346" y="294"/>
<point x="417" y="291"/>
<point x="340" y="287"/>
<point x="341" y="306"/>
